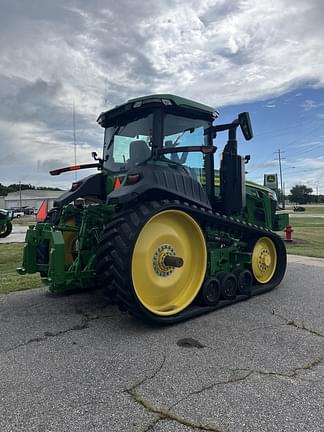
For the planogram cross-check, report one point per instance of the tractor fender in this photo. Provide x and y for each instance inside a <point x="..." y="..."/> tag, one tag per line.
<point x="93" y="185"/>
<point x="172" y="180"/>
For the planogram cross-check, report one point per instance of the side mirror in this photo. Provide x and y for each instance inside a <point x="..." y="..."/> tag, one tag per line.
<point x="245" y="124"/>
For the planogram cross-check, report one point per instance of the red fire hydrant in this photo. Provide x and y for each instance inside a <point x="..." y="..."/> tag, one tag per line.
<point x="288" y="232"/>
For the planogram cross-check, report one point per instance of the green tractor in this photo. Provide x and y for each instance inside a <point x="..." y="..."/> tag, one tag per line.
<point x="5" y="223"/>
<point x="158" y="228"/>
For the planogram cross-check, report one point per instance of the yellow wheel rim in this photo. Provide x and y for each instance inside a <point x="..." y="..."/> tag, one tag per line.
<point x="264" y="260"/>
<point x="70" y="238"/>
<point x="162" y="289"/>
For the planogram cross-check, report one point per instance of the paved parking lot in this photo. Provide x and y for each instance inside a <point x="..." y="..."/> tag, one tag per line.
<point x="74" y="363"/>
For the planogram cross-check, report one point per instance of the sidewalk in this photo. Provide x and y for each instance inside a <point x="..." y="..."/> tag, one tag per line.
<point x="311" y="261"/>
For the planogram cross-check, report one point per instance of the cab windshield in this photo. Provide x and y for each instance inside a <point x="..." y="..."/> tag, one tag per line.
<point x="128" y="144"/>
<point x="182" y="132"/>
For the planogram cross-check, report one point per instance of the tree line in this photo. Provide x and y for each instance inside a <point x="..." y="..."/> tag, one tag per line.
<point x="15" y="187"/>
<point x="301" y="194"/>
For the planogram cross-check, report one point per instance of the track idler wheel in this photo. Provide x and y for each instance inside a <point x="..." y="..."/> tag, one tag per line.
<point x="244" y="281"/>
<point x="228" y="284"/>
<point x="210" y="292"/>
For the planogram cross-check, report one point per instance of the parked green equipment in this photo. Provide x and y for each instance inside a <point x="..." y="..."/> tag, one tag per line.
<point x="165" y="234"/>
<point x="5" y="223"/>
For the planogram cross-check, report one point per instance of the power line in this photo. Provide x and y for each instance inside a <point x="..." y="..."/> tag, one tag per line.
<point x="300" y="137"/>
<point x="310" y="149"/>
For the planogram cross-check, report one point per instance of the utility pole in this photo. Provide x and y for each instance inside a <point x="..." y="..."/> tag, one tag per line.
<point x="74" y="142"/>
<point x="280" y="171"/>
<point x="20" y="194"/>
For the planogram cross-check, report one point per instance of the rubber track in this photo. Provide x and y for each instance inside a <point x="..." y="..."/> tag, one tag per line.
<point x="115" y="249"/>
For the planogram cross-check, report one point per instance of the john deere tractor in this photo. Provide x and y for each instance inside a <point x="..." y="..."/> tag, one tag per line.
<point x="5" y="223"/>
<point x="164" y="233"/>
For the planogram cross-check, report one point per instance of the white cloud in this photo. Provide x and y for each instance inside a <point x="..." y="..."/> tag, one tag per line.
<point x="216" y="51"/>
<point x="310" y="104"/>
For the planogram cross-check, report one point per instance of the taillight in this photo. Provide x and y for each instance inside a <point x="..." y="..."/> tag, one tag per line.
<point x="132" y="179"/>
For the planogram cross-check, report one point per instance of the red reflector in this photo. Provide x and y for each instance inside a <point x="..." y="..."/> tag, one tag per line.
<point x="117" y="183"/>
<point x="74" y="168"/>
<point x="42" y="212"/>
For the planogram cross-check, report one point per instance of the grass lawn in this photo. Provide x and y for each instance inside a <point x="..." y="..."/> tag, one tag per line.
<point x="315" y="210"/>
<point x="309" y="210"/>
<point x="308" y="236"/>
<point x="10" y="258"/>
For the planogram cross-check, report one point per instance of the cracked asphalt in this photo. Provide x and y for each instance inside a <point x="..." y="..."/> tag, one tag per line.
<point x="74" y="363"/>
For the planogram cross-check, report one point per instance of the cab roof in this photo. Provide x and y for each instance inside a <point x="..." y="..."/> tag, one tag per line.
<point x="176" y="100"/>
<point x="163" y="99"/>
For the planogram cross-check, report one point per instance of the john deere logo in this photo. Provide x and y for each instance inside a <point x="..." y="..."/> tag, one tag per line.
<point x="271" y="181"/>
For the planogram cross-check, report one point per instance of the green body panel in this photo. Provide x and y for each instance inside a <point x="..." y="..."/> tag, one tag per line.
<point x="260" y="206"/>
<point x="226" y="259"/>
<point x="281" y="220"/>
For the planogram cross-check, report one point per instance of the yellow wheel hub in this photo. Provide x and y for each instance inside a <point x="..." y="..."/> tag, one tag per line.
<point x="264" y="260"/>
<point x="165" y="289"/>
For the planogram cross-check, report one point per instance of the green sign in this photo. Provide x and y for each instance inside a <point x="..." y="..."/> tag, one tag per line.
<point x="271" y="181"/>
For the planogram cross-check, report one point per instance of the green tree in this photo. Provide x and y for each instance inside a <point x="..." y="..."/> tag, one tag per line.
<point x="300" y="194"/>
<point x="15" y="187"/>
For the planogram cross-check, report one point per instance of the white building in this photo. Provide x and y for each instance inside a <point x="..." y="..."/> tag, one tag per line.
<point x="29" y="198"/>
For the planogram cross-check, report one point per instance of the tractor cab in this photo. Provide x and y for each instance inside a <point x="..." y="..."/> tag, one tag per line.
<point x="155" y="128"/>
<point x="177" y="134"/>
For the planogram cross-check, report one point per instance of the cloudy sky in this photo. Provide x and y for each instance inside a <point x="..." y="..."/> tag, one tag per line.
<point x="266" y="57"/>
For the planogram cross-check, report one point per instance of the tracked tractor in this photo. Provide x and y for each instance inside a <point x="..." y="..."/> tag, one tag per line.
<point x="5" y="223"/>
<point x="159" y="228"/>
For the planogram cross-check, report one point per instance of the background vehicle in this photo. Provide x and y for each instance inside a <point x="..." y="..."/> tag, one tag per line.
<point x="299" y="208"/>
<point x="17" y="212"/>
<point x="5" y="223"/>
<point x="165" y="234"/>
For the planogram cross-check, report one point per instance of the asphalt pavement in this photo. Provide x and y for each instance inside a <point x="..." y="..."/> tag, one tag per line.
<point x="74" y="363"/>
